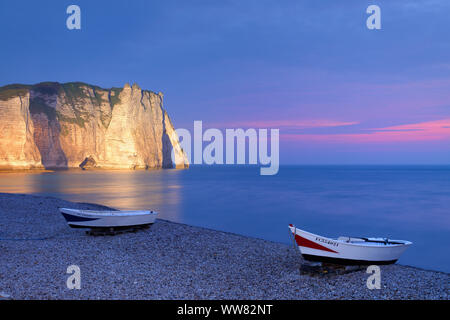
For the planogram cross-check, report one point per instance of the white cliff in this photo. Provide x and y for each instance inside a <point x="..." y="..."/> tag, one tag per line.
<point x="52" y="125"/>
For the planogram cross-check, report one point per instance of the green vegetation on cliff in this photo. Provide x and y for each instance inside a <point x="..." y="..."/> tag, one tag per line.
<point x="78" y="120"/>
<point x="13" y="90"/>
<point x="74" y="93"/>
<point x="47" y="88"/>
<point x="114" y="96"/>
<point x="39" y="105"/>
<point x="98" y="100"/>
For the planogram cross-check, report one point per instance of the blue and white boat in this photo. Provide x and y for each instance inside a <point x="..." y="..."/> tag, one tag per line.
<point x="107" y="219"/>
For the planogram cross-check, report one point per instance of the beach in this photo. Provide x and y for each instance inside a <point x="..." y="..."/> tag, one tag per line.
<point x="172" y="261"/>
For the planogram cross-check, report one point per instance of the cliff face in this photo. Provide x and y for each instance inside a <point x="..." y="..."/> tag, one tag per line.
<point x="52" y="125"/>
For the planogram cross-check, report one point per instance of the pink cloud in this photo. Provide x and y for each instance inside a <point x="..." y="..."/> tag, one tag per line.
<point x="286" y="124"/>
<point x="424" y="131"/>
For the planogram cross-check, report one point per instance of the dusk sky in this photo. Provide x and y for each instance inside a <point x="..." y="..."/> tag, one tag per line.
<point x="338" y="92"/>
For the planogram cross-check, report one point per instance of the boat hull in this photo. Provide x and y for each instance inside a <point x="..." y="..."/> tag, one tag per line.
<point x="93" y="219"/>
<point x="322" y="249"/>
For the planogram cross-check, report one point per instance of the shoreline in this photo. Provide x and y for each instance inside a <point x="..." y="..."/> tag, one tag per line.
<point x="72" y="169"/>
<point x="173" y="261"/>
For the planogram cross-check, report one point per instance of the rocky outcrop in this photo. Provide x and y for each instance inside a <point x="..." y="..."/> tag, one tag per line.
<point x="52" y="125"/>
<point x="88" y="163"/>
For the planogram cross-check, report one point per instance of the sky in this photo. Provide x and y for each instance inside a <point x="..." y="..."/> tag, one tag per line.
<point x="339" y="92"/>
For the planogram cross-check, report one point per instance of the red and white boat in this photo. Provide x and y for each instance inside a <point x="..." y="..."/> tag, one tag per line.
<point x="348" y="250"/>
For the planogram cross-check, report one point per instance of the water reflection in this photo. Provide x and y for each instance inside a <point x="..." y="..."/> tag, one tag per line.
<point x="155" y="189"/>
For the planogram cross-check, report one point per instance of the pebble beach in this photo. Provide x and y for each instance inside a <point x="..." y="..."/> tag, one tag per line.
<point x="172" y="261"/>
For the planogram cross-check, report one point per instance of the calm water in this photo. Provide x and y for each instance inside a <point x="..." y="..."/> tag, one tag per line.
<point x="403" y="202"/>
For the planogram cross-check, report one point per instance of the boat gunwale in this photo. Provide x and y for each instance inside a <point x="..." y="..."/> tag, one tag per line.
<point x="109" y="213"/>
<point x="363" y="243"/>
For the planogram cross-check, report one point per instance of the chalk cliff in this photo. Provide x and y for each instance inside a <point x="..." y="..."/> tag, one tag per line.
<point x="53" y="125"/>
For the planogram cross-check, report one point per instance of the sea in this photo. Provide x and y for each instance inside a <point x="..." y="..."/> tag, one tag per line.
<point x="395" y="202"/>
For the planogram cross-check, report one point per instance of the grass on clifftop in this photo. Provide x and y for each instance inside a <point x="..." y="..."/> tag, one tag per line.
<point x="13" y="90"/>
<point x="74" y="92"/>
<point x="47" y="88"/>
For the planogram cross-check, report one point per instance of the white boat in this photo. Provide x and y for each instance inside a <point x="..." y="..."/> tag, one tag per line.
<point x="107" y="219"/>
<point x="348" y="250"/>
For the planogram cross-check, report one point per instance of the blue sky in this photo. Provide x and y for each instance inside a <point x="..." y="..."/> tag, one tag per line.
<point x="339" y="93"/>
